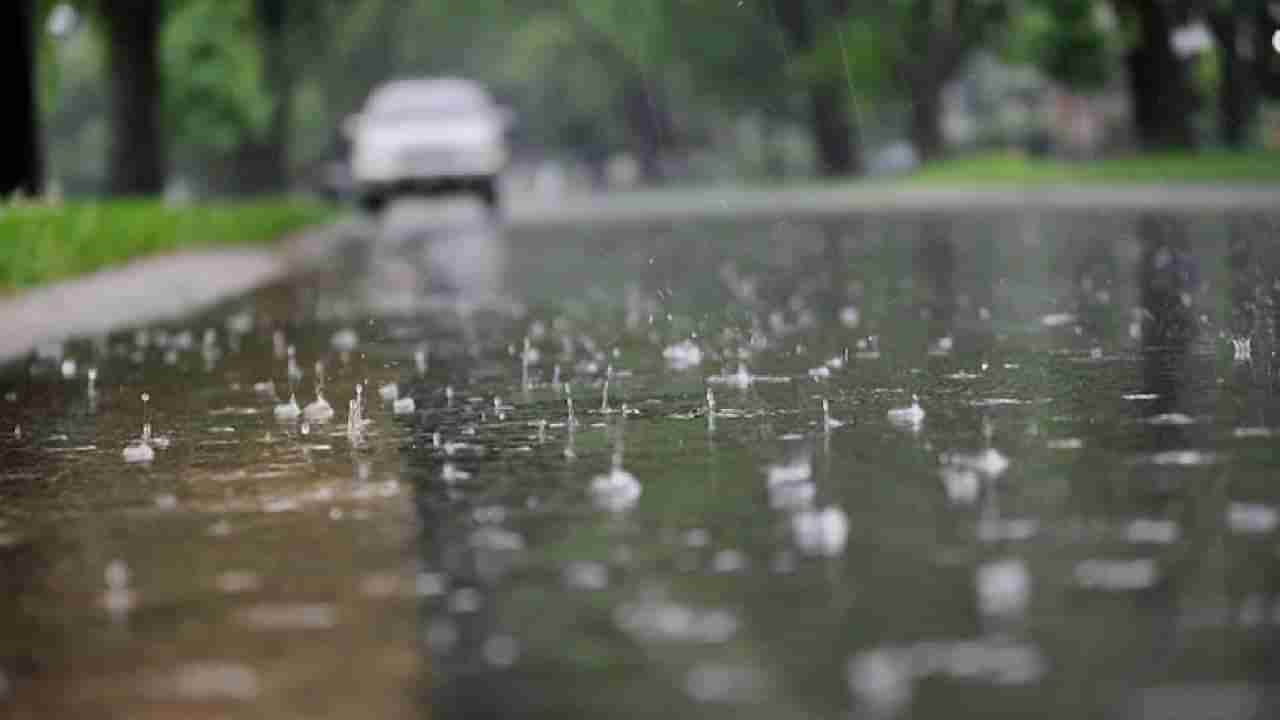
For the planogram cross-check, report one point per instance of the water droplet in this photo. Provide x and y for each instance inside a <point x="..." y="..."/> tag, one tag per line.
<point x="138" y="452"/>
<point x="428" y="584"/>
<point x="962" y="484"/>
<point x="1251" y="518"/>
<point x="501" y="650"/>
<point x="1172" y="418"/>
<point x="441" y="636"/>
<point x="289" y="410"/>
<point x="616" y="491"/>
<point x="584" y="575"/>
<point x="828" y="422"/>
<point x="305" y="616"/>
<point x="1004" y="587"/>
<point x="380" y="585"/>
<point x="729" y="561"/>
<point x="722" y="683"/>
<point x="238" y="581"/>
<point x="318" y="410"/>
<point x="882" y="680"/>
<point x="821" y="532"/>
<point x="209" y="681"/>
<point x="1135" y="574"/>
<point x="910" y="417"/>
<point x="465" y="600"/>
<point x="1158" y="532"/>
<point x="682" y="355"/>
<point x="345" y="340"/>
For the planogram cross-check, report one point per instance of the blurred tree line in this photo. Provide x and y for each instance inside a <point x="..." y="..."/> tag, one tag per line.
<point x="248" y="95"/>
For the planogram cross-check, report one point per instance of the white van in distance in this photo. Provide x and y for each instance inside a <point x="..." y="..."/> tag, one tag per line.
<point x="427" y="136"/>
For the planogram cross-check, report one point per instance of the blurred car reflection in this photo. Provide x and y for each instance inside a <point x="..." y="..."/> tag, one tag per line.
<point x="426" y="136"/>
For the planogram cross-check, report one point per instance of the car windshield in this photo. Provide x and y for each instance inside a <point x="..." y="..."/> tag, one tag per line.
<point x="428" y="97"/>
<point x="449" y="114"/>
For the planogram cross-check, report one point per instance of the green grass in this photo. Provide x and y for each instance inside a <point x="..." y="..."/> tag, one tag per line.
<point x="1205" y="167"/>
<point x="40" y="243"/>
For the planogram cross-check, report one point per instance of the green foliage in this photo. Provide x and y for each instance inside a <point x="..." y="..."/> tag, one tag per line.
<point x="569" y="68"/>
<point x="640" y="32"/>
<point x="566" y="94"/>
<point x="854" y="51"/>
<point x="1171" y="167"/>
<point x="734" y="53"/>
<point x="41" y="243"/>
<point x="73" y="107"/>
<point x="1068" y="39"/>
<point x="215" y="97"/>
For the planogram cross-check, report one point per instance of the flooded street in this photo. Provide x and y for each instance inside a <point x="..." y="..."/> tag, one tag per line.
<point x="960" y="464"/>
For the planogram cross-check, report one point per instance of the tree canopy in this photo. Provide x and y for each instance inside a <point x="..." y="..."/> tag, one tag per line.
<point x="248" y="95"/>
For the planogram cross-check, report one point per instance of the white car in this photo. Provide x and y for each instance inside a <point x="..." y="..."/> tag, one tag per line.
<point x="427" y="135"/>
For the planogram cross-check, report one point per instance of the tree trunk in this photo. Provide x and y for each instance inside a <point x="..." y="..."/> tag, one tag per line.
<point x="834" y="131"/>
<point x="1265" y="75"/>
<point x="926" y="121"/>
<point x="773" y="153"/>
<point x="136" y="159"/>
<point x="647" y="128"/>
<point x="279" y="80"/>
<point x="21" y="171"/>
<point x="1160" y="90"/>
<point x="1236" y="96"/>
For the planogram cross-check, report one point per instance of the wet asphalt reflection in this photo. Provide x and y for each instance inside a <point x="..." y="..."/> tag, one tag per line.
<point x="942" y="465"/>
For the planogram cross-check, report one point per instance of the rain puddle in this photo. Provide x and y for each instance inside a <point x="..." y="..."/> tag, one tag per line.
<point x="939" y="466"/>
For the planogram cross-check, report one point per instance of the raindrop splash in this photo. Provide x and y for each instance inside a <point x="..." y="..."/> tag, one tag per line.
<point x="617" y="490"/>
<point x="604" y="399"/>
<point x="910" y="417"/>
<point x="389" y="392"/>
<point x="289" y="410"/>
<point x="355" y="416"/>
<point x="294" y="372"/>
<point x="829" y="423"/>
<point x="821" y="532"/>
<point x="140" y="450"/>
<point x="319" y="410"/>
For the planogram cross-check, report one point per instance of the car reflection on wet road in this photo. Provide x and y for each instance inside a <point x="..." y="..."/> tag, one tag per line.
<point x="1079" y="521"/>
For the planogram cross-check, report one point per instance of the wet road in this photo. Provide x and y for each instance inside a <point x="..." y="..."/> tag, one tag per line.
<point x="672" y="468"/>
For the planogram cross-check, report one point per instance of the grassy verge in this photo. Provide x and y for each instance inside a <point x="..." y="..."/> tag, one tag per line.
<point x="42" y="243"/>
<point x="1206" y="167"/>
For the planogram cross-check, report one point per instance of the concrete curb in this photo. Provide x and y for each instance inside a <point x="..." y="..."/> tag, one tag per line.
<point x="729" y="203"/>
<point x="155" y="289"/>
<point x="170" y="286"/>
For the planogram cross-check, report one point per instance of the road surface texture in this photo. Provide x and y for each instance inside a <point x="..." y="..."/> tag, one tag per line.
<point x="970" y="458"/>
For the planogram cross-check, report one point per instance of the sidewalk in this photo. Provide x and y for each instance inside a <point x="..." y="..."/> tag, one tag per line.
<point x="171" y="286"/>
<point x="154" y="289"/>
<point x="883" y="198"/>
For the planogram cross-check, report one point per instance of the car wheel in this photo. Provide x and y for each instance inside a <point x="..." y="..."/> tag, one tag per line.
<point x="487" y="189"/>
<point x="372" y="202"/>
